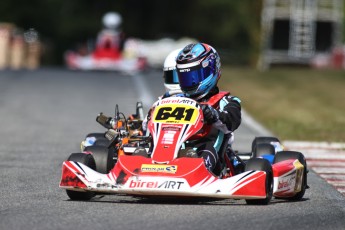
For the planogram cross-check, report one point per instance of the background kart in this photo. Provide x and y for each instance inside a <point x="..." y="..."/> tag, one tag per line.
<point x="168" y="171"/>
<point x="106" y="55"/>
<point x="76" y="61"/>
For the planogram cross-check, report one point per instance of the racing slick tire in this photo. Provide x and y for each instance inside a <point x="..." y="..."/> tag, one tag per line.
<point x="87" y="160"/>
<point x="286" y="155"/>
<point x="262" y="165"/>
<point x="96" y="135"/>
<point x="262" y="140"/>
<point x="104" y="157"/>
<point x="263" y="149"/>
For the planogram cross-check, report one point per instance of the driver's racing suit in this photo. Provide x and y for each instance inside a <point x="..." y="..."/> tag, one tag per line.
<point x="224" y="118"/>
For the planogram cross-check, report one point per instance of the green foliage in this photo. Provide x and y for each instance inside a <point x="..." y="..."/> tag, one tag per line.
<point x="231" y="26"/>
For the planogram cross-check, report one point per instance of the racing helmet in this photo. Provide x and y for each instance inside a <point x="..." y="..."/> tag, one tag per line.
<point x="198" y="69"/>
<point x="112" y="20"/>
<point x="169" y="72"/>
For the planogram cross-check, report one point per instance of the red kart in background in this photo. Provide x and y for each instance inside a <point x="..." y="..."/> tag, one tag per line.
<point x="107" y="55"/>
<point x="167" y="170"/>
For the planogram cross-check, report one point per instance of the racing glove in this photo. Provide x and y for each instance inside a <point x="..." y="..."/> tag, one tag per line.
<point x="210" y="114"/>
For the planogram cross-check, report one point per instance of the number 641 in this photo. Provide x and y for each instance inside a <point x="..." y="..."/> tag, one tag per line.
<point x="179" y="113"/>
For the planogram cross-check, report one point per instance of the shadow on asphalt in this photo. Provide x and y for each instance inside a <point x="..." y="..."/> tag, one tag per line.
<point x="126" y="199"/>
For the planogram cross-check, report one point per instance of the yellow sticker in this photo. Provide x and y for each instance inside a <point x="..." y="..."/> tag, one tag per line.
<point x="158" y="168"/>
<point x="176" y="114"/>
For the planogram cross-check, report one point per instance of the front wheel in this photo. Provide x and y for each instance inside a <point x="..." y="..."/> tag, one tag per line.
<point x="261" y="165"/>
<point x="95" y="139"/>
<point x="87" y="160"/>
<point x="104" y="158"/>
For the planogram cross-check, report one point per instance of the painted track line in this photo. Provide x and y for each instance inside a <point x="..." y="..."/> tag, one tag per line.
<point x="143" y="89"/>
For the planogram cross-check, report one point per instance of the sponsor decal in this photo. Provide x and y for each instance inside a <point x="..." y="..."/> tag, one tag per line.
<point x="286" y="182"/>
<point x="170" y="101"/>
<point x="171" y="128"/>
<point x="106" y="186"/>
<point x="205" y="63"/>
<point x="184" y="70"/>
<point x="175" y="100"/>
<point x="168" y="138"/>
<point x="186" y="101"/>
<point x="158" y="168"/>
<point x="168" y="184"/>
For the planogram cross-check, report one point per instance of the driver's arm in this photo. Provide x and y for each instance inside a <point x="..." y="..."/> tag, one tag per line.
<point x="230" y="112"/>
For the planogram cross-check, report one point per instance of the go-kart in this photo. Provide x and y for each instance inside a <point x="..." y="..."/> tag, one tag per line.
<point x="106" y="56"/>
<point x="166" y="170"/>
<point x="75" y="61"/>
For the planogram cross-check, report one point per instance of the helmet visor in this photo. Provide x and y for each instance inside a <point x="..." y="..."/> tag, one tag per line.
<point x="191" y="77"/>
<point x="170" y="77"/>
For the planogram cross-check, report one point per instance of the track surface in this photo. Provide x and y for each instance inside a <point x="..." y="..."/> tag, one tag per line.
<point x="44" y="116"/>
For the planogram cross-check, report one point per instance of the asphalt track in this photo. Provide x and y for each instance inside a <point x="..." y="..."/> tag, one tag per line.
<point x="44" y="115"/>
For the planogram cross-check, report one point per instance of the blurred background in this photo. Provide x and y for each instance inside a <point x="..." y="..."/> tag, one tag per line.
<point x="255" y="33"/>
<point x="277" y="55"/>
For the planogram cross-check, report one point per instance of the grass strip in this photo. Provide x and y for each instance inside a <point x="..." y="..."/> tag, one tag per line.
<point x="295" y="103"/>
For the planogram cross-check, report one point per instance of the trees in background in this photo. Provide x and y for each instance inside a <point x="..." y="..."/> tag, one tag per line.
<point x="233" y="27"/>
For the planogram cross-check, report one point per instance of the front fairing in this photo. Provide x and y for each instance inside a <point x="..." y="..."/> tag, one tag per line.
<point x="173" y="121"/>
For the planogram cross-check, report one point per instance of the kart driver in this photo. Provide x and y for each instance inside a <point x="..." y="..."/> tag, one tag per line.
<point x="170" y="77"/>
<point x="110" y="38"/>
<point x="171" y="83"/>
<point x="198" y="68"/>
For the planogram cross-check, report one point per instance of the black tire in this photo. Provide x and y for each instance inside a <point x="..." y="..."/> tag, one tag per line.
<point x="104" y="157"/>
<point x="96" y="135"/>
<point x="286" y="155"/>
<point x="263" y="149"/>
<point x="262" y="140"/>
<point x="87" y="160"/>
<point x="262" y="165"/>
<point x="101" y="140"/>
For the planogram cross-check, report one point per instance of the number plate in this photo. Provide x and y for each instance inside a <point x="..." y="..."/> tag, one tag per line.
<point x="175" y="114"/>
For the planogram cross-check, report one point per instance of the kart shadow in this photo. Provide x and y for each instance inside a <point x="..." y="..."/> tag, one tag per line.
<point x="281" y="200"/>
<point x="124" y="199"/>
<point x="173" y="201"/>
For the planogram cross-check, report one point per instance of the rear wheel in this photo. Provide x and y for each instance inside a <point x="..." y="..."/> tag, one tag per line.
<point x="101" y="140"/>
<point x="262" y="165"/>
<point x="87" y="160"/>
<point x="262" y="140"/>
<point x="94" y="139"/>
<point x="286" y="155"/>
<point x="96" y="135"/>
<point x="104" y="157"/>
<point x="263" y="149"/>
